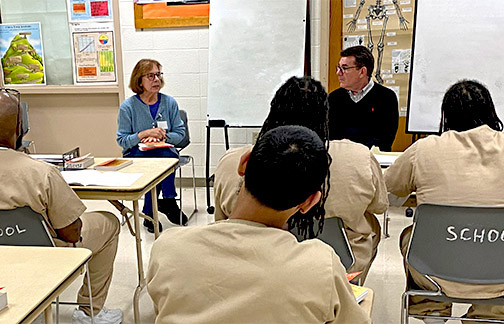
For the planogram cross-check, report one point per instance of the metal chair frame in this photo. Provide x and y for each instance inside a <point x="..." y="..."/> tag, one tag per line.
<point x="184" y="160"/>
<point x="433" y="254"/>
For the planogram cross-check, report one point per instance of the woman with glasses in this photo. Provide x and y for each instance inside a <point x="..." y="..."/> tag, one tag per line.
<point x="149" y="117"/>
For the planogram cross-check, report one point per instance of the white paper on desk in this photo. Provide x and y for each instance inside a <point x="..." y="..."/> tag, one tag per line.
<point x="385" y="160"/>
<point x="97" y="178"/>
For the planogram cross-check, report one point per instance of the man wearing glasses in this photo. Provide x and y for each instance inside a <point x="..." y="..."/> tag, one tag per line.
<point x="361" y="110"/>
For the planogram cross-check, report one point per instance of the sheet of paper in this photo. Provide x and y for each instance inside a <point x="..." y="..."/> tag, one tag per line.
<point x="97" y="178"/>
<point x="385" y="160"/>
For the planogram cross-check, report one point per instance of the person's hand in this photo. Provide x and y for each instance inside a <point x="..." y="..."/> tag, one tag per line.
<point x="150" y="140"/>
<point x="157" y="133"/>
<point x="71" y="233"/>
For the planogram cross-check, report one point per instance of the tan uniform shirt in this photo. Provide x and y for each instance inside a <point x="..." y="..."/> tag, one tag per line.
<point x="237" y="271"/>
<point x="28" y="182"/>
<point x="357" y="192"/>
<point x="460" y="168"/>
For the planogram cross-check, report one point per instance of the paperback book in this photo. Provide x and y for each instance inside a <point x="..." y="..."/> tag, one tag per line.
<point x="113" y="164"/>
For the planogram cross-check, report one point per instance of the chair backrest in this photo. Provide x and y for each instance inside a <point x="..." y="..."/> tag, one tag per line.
<point x="334" y="234"/>
<point x="25" y="123"/>
<point x="186" y="140"/>
<point x="23" y="227"/>
<point x="458" y="243"/>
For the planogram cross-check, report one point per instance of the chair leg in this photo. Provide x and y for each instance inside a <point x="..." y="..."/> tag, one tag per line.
<point x="57" y="310"/>
<point x="194" y="186"/>
<point x="180" y="190"/>
<point x="90" y="293"/>
<point x="405" y="309"/>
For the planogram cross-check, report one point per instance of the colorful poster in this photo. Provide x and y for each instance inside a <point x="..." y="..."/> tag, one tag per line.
<point x="93" y="52"/>
<point x="22" y="53"/>
<point x="89" y="10"/>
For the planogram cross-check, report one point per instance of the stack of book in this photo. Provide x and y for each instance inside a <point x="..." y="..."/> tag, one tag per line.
<point x="79" y="163"/>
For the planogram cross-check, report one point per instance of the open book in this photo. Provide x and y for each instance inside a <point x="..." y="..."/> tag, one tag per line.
<point x="97" y="178"/>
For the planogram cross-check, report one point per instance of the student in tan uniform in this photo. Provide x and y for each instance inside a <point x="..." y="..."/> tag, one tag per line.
<point x="357" y="189"/>
<point x="247" y="269"/>
<point x="462" y="166"/>
<point x="28" y="182"/>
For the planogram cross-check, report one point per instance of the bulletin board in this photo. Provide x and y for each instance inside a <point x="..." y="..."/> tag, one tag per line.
<point x="397" y="39"/>
<point x="454" y="40"/>
<point x="160" y="15"/>
<point x="254" y="47"/>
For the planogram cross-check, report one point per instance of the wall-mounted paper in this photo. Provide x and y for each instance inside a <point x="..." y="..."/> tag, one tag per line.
<point x="22" y="53"/>
<point x="89" y="10"/>
<point x="93" y="52"/>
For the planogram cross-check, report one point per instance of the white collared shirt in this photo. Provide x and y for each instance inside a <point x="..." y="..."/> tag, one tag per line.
<point x="362" y="93"/>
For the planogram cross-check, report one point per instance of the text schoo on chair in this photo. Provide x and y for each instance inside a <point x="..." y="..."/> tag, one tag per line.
<point x="24" y="227"/>
<point x="334" y="234"/>
<point x="462" y="244"/>
<point x="183" y="160"/>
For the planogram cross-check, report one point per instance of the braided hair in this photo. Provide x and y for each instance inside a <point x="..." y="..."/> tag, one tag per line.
<point x="467" y="105"/>
<point x="303" y="102"/>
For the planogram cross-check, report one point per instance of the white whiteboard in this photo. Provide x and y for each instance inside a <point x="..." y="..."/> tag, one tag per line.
<point x="254" y="47"/>
<point x="454" y="40"/>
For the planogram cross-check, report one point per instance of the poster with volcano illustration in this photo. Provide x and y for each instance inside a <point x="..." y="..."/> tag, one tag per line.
<point x="22" y="54"/>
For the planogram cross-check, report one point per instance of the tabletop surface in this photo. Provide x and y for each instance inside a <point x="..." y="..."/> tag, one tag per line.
<point x="153" y="171"/>
<point x="31" y="274"/>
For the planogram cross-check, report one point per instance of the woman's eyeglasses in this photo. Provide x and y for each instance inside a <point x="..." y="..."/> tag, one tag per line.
<point x="151" y="76"/>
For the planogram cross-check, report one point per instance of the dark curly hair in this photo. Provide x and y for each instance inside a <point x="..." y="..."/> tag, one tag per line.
<point x="467" y="105"/>
<point x="303" y="102"/>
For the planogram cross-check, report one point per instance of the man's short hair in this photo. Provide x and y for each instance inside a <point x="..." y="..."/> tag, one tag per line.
<point x="363" y="57"/>
<point x="467" y="105"/>
<point x="286" y="166"/>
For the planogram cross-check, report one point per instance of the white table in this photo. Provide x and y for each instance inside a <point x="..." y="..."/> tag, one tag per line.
<point x="34" y="277"/>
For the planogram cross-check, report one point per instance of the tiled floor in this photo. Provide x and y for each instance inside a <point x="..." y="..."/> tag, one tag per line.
<point x="386" y="276"/>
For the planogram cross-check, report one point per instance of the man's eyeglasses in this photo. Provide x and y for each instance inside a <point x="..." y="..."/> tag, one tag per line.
<point x="13" y="92"/>
<point x="151" y="76"/>
<point x="344" y="69"/>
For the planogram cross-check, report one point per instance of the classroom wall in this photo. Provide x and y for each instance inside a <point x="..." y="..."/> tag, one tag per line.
<point x="183" y="52"/>
<point x="63" y="120"/>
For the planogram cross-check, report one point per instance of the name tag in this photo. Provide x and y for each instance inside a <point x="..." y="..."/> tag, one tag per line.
<point x="162" y="124"/>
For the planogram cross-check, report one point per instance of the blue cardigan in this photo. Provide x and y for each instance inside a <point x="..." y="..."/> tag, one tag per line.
<point x="134" y="117"/>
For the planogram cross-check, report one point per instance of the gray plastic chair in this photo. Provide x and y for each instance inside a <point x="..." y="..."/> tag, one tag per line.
<point x="183" y="160"/>
<point x="25" y="128"/>
<point x="334" y="234"/>
<point x="24" y="227"/>
<point x="440" y="247"/>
